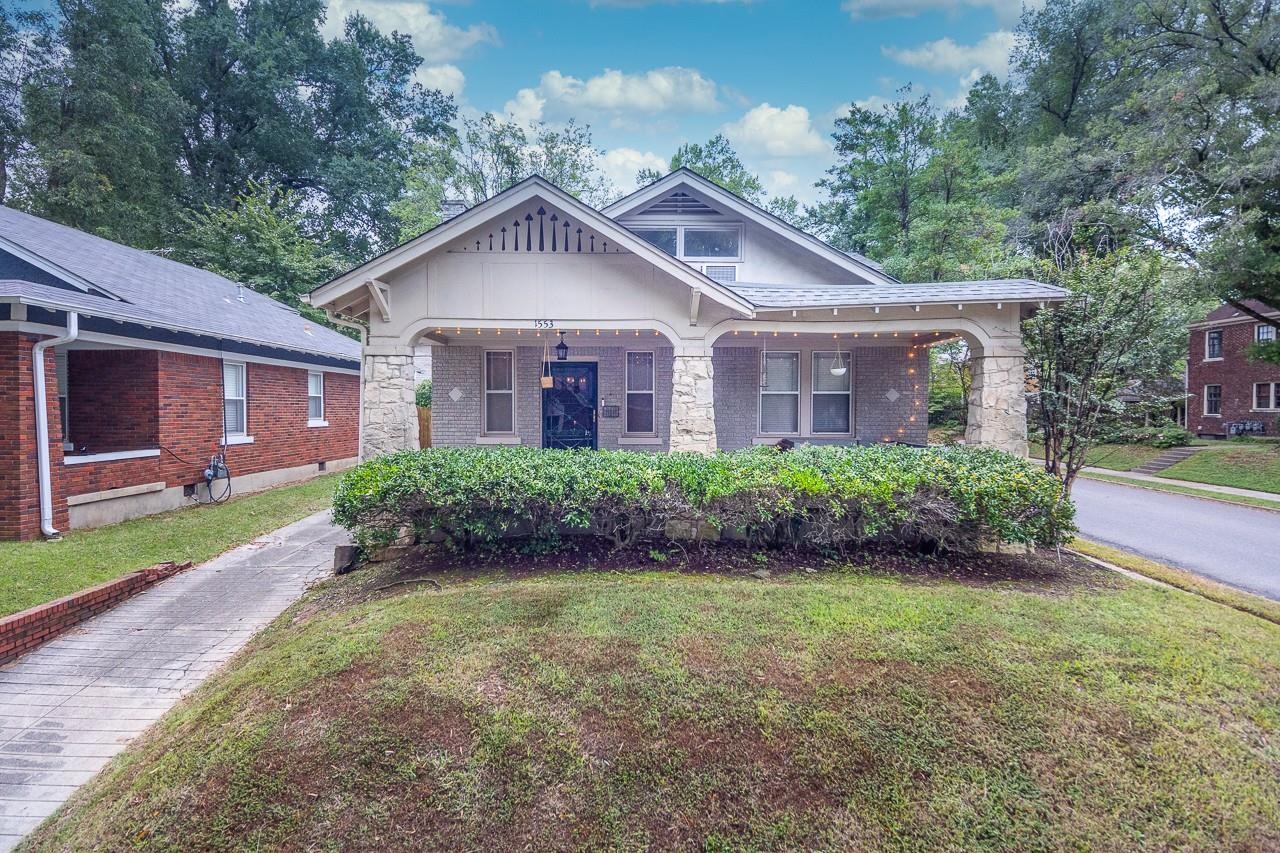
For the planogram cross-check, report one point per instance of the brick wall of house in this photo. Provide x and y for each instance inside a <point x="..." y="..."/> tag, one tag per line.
<point x="889" y="390"/>
<point x="459" y="422"/>
<point x="116" y="397"/>
<point x="19" y="494"/>
<point x="1236" y="373"/>
<point x="187" y="424"/>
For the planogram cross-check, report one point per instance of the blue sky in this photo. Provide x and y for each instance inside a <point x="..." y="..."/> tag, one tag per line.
<point x="648" y="75"/>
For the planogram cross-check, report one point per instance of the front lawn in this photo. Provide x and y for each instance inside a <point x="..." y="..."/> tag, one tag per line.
<point x="1242" y="465"/>
<point x="35" y="572"/>
<point x="1115" y="457"/>
<point x="970" y="707"/>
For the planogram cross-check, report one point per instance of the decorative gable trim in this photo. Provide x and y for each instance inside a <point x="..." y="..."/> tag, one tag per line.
<point x="643" y="198"/>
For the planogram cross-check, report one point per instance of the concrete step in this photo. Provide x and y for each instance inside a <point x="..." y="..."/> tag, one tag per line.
<point x="1167" y="459"/>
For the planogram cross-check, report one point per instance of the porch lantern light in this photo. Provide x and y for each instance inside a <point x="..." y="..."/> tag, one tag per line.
<point x="562" y="349"/>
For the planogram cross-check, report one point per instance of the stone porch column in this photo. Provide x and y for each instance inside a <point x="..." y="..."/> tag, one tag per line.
<point x="693" y="413"/>
<point x="388" y="411"/>
<point x="998" y="401"/>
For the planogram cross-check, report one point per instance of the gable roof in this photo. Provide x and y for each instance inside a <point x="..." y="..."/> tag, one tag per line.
<point x="1228" y="312"/>
<point x="535" y="186"/>
<point x="116" y="281"/>
<point x="860" y="266"/>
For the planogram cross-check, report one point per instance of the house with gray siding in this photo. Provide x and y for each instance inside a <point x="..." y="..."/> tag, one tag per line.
<point x="680" y="317"/>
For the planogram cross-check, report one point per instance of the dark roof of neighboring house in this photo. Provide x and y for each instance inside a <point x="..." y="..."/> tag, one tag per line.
<point x="1227" y="311"/>
<point x="828" y="296"/>
<point x="133" y="285"/>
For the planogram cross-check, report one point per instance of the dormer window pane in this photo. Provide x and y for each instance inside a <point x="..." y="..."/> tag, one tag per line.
<point x="711" y="242"/>
<point x="663" y="238"/>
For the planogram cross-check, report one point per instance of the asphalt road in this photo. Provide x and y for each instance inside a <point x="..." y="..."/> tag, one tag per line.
<point x="1237" y="545"/>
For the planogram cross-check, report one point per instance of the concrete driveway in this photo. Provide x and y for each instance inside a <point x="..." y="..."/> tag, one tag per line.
<point x="1237" y="545"/>
<point x="68" y="706"/>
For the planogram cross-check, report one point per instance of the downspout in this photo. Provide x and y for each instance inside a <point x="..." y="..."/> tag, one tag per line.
<point x="364" y="340"/>
<point x="44" y="479"/>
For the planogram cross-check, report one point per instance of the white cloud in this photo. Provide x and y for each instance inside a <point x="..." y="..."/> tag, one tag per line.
<point x="1005" y="11"/>
<point x="447" y="78"/>
<point x="780" y="182"/>
<point x="526" y="107"/>
<point x="436" y="40"/>
<point x="620" y="166"/>
<point x="990" y="54"/>
<point x="785" y="132"/>
<point x="659" y="90"/>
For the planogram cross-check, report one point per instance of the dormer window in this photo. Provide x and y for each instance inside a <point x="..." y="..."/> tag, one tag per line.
<point x="696" y="242"/>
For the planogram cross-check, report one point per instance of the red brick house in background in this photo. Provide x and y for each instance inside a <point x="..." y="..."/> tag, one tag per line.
<point x="150" y="369"/>
<point x="1227" y="392"/>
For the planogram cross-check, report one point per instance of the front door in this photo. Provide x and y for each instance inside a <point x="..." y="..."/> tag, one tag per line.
<point x="569" y="406"/>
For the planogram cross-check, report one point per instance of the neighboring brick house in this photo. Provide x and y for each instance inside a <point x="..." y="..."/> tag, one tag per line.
<point x="163" y="367"/>
<point x="1227" y="392"/>
<point x="681" y="317"/>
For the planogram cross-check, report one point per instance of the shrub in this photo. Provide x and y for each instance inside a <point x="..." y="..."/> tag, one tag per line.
<point x="422" y="394"/>
<point x="1162" y="436"/>
<point x="817" y="496"/>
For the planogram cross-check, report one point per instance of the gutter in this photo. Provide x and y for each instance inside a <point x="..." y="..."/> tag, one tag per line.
<point x="44" y="479"/>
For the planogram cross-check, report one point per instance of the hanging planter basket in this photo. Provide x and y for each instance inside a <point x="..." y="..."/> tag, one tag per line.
<point x="546" y="380"/>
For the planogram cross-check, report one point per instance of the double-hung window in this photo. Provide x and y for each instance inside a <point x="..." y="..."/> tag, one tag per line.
<point x="1213" y="399"/>
<point x="1266" y="395"/>
<point x="1264" y="333"/>
<point x="780" y="393"/>
<point x="315" y="399"/>
<point x="499" y="392"/>
<point x="235" y="412"/>
<point x="1213" y="343"/>
<point x="640" y="393"/>
<point x="831" y="393"/>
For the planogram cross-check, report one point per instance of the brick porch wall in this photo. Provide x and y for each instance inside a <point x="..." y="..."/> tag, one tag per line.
<point x="459" y="422"/>
<point x="1236" y="373"/>
<point x="877" y="371"/>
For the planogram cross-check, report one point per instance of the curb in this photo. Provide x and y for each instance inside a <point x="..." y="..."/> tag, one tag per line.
<point x="1200" y="495"/>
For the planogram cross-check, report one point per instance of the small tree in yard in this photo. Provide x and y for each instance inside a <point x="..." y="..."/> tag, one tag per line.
<point x="1122" y="321"/>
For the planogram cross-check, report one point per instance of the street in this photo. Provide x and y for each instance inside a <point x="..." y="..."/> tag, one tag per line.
<point x="1237" y="545"/>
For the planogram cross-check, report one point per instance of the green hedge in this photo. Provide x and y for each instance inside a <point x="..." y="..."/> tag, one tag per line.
<point x="819" y="496"/>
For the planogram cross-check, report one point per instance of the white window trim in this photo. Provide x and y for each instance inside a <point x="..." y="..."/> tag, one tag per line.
<point x="680" y="227"/>
<point x="111" y="456"/>
<point x="1257" y="332"/>
<point x="320" y="421"/>
<point x="1204" y="400"/>
<point x="242" y="437"/>
<point x="484" y="401"/>
<point x="761" y="392"/>
<point x="627" y="392"/>
<point x="814" y="392"/>
<point x="1222" y="345"/>
<point x="1273" y="397"/>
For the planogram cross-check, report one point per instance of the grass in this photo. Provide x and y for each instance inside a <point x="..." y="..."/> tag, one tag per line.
<point x="35" y="572"/>
<point x="1174" y="488"/>
<point x="843" y="709"/>
<point x="1242" y="465"/>
<point x="1263" y="608"/>
<point x="1116" y="457"/>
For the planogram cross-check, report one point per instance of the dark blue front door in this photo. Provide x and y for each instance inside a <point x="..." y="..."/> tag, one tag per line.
<point x="569" y="406"/>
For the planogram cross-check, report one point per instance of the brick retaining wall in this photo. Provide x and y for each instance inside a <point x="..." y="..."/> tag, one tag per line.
<point x="22" y="632"/>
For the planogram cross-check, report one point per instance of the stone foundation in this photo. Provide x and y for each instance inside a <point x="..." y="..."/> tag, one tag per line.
<point x="390" y="416"/>
<point x="693" y="414"/>
<point x="998" y="403"/>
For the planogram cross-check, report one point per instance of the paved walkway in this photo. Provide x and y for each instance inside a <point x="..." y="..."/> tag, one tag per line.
<point x="70" y="705"/>
<point x="1188" y="484"/>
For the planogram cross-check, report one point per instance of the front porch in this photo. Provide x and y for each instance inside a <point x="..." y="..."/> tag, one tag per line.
<point x="634" y="388"/>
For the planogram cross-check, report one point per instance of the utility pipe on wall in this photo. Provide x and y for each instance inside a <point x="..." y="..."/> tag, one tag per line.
<point x="44" y="479"/>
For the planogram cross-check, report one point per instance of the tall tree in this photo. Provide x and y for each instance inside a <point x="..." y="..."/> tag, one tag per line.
<point x="488" y="155"/>
<point x="102" y="123"/>
<point x="718" y="162"/>
<point x="26" y="38"/>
